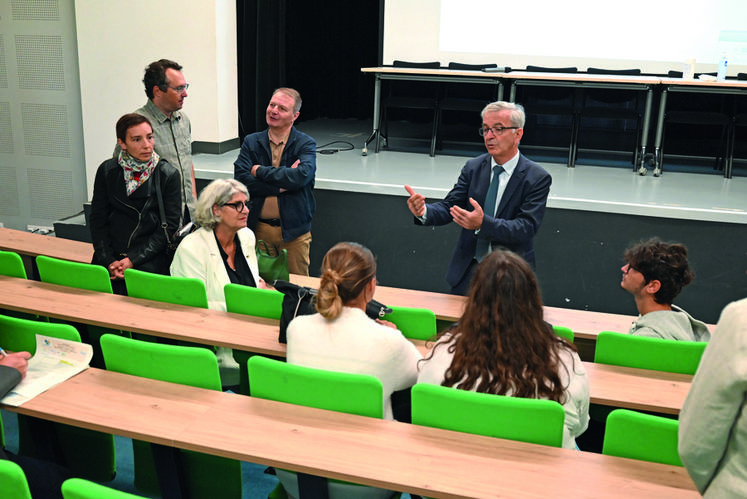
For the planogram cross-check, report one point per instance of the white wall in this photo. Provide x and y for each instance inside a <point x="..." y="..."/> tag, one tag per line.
<point x="118" y="39"/>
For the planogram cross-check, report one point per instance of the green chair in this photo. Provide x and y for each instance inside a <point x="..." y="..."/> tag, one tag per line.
<point x="187" y="291"/>
<point x="206" y="476"/>
<point x="414" y="323"/>
<point x="81" y="276"/>
<point x="535" y="421"/>
<point x="359" y="394"/>
<point x="641" y="436"/>
<point x="564" y="332"/>
<point x="11" y="265"/>
<point x="256" y="302"/>
<point x="626" y="350"/>
<point x="77" y="488"/>
<point x="13" y="482"/>
<point x="168" y="289"/>
<point x="87" y="453"/>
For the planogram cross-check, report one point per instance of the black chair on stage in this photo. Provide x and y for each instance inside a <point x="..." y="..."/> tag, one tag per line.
<point x="552" y="107"/>
<point x="703" y="123"/>
<point x="461" y="103"/>
<point x="600" y="106"/>
<point x="411" y="95"/>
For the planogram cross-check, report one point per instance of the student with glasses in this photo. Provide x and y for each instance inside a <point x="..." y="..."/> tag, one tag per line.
<point x="499" y="199"/>
<point x="221" y="251"/>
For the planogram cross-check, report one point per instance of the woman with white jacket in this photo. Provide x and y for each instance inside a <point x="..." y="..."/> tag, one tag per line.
<point x="221" y="251"/>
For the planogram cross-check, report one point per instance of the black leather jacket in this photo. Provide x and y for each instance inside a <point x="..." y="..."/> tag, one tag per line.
<point x="123" y="225"/>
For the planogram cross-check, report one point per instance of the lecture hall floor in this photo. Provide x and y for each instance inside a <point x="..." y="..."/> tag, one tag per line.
<point x="614" y="189"/>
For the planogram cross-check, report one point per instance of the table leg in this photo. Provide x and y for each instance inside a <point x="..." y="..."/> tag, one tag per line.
<point x="641" y="163"/>
<point x="377" y="108"/>
<point x="170" y="476"/>
<point x="659" y="132"/>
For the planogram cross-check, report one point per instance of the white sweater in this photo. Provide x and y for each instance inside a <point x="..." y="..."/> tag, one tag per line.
<point x="198" y="256"/>
<point x="572" y="376"/>
<point x="354" y="343"/>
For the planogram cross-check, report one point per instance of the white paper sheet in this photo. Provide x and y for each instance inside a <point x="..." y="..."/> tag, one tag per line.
<point x="55" y="361"/>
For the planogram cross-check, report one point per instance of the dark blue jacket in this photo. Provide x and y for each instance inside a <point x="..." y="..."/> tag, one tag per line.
<point x="518" y="217"/>
<point x="296" y="203"/>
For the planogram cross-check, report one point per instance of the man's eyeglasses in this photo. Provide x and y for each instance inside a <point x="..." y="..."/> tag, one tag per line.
<point x="180" y="88"/>
<point x="497" y="130"/>
<point x="239" y="205"/>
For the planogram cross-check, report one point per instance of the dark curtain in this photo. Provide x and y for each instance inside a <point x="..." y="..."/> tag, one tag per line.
<point x="317" y="47"/>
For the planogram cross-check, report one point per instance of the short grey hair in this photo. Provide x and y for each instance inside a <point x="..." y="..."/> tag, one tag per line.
<point x="518" y="116"/>
<point x="218" y="191"/>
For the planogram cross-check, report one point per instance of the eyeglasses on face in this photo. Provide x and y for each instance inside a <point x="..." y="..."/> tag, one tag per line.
<point x="497" y="130"/>
<point x="239" y="205"/>
<point x="180" y="88"/>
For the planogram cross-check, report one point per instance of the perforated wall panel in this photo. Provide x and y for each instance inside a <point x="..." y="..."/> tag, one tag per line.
<point x="6" y="130"/>
<point x="50" y="194"/>
<point x="45" y="130"/>
<point x="35" y="10"/>
<point x="9" y="205"/>
<point x="40" y="62"/>
<point x="3" y="64"/>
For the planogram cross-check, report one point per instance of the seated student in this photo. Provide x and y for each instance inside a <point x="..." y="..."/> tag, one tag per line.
<point x="341" y="337"/>
<point x="654" y="273"/>
<point x="713" y="421"/>
<point x="221" y="251"/>
<point x="502" y="345"/>
<point x="44" y="478"/>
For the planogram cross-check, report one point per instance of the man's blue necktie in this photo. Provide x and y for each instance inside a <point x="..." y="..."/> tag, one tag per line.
<point x="483" y="245"/>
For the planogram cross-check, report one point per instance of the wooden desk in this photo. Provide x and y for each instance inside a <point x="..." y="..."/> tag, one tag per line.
<point x="387" y="454"/>
<point x="418" y="74"/>
<point x="632" y="82"/>
<point x="30" y="245"/>
<point x="610" y="385"/>
<point x="585" y="324"/>
<point x="694" y="86"/>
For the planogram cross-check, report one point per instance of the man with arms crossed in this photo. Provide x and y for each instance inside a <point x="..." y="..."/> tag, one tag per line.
<point x="499" y="199"/>
<point x="278" y="166"/>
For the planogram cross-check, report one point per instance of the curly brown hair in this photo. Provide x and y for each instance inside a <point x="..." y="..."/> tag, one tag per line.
<point x="347" y="269"/>
<point x="501" y="344"/>
<point x="663" y="262"/>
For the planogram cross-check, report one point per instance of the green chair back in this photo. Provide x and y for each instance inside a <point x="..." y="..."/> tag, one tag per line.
<point x="77" y="488"/>
<point x="19" y="335"/>
<point x="13" y="481"/>
<point x="564" y="332"/>
<point x="414" y="323"/>
<point x="81" y="276"/>
<point x="73" y="274"/>
<point x="173" y="363"/>
<point x="206" y="476"/>
<point x="86" y="453"/>
<point x="527" y="420"/>
<point x="11" y="265"/>
<point x="641" y="436"/>
<point x="359" y="394"/>
<point x="168" y="289"/>
<point x="256" y="302"/>
<point x="626" y="350"/>
<point x="247" y="300"/>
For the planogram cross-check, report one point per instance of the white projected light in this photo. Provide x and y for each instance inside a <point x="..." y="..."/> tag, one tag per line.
<point x="655" y="35"/>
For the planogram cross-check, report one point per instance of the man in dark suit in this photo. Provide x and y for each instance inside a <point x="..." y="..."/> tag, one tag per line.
<point x="507" y="218"/>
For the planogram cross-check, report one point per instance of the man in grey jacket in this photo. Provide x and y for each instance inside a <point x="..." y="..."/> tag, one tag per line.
<point x="654" y="273"/>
